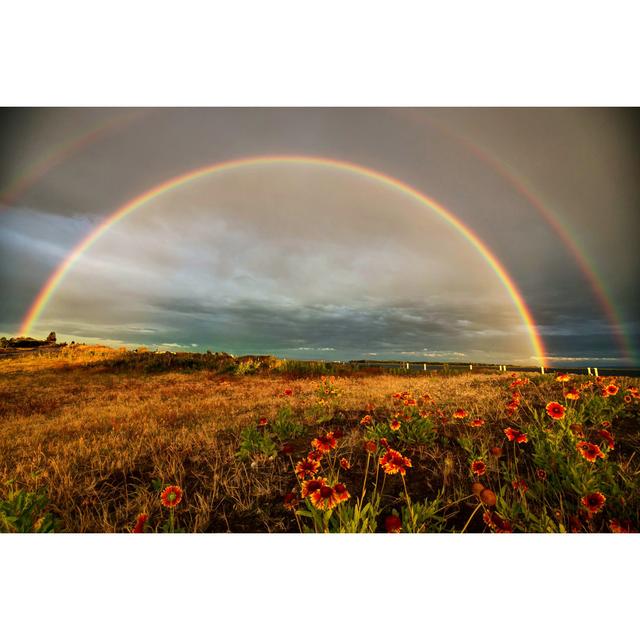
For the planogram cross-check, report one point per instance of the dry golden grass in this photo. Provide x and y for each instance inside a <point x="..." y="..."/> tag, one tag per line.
<point x="96" y="440"/>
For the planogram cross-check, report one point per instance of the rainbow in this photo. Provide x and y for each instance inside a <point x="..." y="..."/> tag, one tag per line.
<point x="129" y="207"/>
<point x="61" y="152"/>
<point x="518" y="184"/>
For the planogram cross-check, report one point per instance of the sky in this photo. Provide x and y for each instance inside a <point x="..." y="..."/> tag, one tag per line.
<point x="310" y="261"/>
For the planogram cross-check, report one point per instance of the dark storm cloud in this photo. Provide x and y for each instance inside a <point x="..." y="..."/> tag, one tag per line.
<point x="582" y="164"/>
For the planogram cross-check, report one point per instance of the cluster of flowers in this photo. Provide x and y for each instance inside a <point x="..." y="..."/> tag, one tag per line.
<point x="320" y="492"/>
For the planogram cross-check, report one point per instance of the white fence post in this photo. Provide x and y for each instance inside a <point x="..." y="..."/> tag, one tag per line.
<point x="470" y="367"/>
<point x="596" y="370"/>
<point x="424" y="367"/>
<point x="589" y="371"/>
<point x="541" y="369"/>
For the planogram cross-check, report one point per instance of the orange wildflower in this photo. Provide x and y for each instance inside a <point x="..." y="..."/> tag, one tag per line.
<point x="478" y="422"/>
<point x="606" y="436"/>
<point x="393" y="524"/>
<point x="341" y="492"/>
<point x="315" y="455"/>
<point x="324" y="498"/>
<point x="514" y="434"/>
<point x="563" y="377"/>
<point x="460" y="414"/>
<point x="478" y="467"/>
<point x="325" y="443"/>
<point x="572" y="394"/>
<point x="288" y="392"/>
<point x="520" y="485"/>
<point x="307" y="467"/>
<point x="627" y="399"/>
<point x="345" y="464"/>
<point x="291" y="501"/>
<point x="140" y="522"/>
<point x="589" y="451"/>
<point x="171" y="496"/>
<point x="370" y="446"/>
<point x="395" y="425"/>
<point x="555" y="410"/>
<point x="394" y="462"/>
<point x="263" y="422"/>
<point x="621" y="526"/>
<point x="365" y="421"/>
<point x="611" y="389"/>
<point x="594" y="502"/>
<point x="541" y="474"/>
<point x="311" y="486"/>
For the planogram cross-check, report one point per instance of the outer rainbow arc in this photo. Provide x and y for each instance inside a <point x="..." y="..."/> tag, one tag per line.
<point x="589" y="272"/>
<point x="59" y="153"/>
<point x="56" y="277"/>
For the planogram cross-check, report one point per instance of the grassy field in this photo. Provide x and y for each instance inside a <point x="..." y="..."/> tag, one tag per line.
<point x="92" y="436"/>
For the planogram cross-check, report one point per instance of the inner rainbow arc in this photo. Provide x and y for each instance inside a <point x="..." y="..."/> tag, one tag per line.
<point x="58" y="274"/>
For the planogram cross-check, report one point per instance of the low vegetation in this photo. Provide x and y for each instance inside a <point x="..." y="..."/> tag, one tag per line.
<point x="103" y="440"/>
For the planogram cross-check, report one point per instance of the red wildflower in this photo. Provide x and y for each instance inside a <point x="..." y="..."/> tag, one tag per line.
<point x="460" y="414"/>
<point x="384" y="443"/>
<point x="514" y="434"/>
<point x="589" y="451"/>
<point x="291" y="501"/>
<point x="311" y="486"/>
<point x="478" y="422"/>
<point x="594" y="502"/>
<point x="513" y="405"/>
<point x="498" y="524"/>
<point x="627" y="399"/>
<point x="563" y="377"/>
<point x="370" y="446"/>
<point x="324" y="498"/>
<point x="606" y="435"/>
<point x="520" y="485"/>
<point x="496" y="451"/>
<point x="410" y="402"/>
<point x="315" y="455"/>
<point x="611" y="389"/>
<point x="393" y="524"/>
<point x="325" y="443"/>
<point x="605" y="424"/>
<point x="341" y="492"/>
<point x="263" y="422"/>
<point x="345" y="464"/>
<point x="288" y="392"/>
<point x="394" y="462"/>
<point x="140" y="522"/>
<point x="395" y="425"/>
<point x="171" y="496"/>
<point x="572" y="394"/>
<point x="478" y="467"/>
<point x="365" y="421"/>
<point x="307" y="467"/>
<point x="621" y="526"/>
<point x="555" y="410"/>
<point x="541" y="474"/>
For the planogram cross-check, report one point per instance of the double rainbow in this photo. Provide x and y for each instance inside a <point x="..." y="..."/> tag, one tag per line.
<point x="348" y="167"/>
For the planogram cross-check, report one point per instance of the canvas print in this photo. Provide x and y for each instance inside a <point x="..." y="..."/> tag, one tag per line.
<point x="319" y="320"/>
